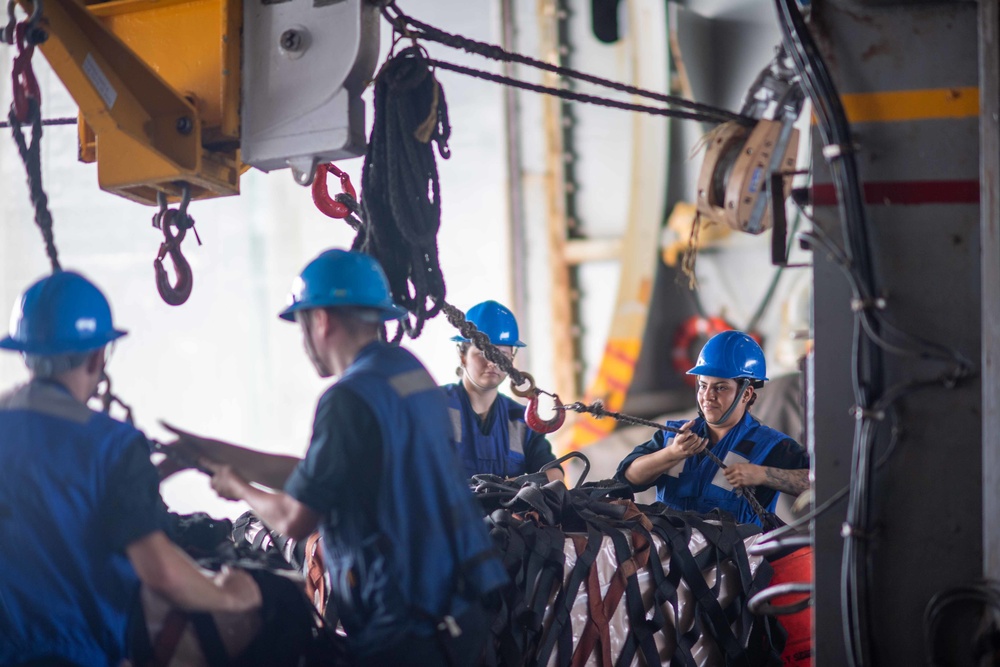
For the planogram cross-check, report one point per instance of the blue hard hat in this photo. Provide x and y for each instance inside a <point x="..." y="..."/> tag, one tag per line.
<point x="494" y="320"/>
<point x="342" y="278"/>
<point x="731" y="354"/>
<point x="61" y="314"/>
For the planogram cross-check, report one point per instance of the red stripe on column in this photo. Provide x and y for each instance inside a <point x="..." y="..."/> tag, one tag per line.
<point x="905" y="193"/>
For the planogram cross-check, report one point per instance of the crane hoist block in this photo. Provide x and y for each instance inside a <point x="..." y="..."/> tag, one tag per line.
<point x="157" y="84"/>
<point x="187" y="92"/>
<point x="305" y="65"/>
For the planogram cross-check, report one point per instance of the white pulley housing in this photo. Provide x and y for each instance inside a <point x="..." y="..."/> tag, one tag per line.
<point x="305" y="65"/>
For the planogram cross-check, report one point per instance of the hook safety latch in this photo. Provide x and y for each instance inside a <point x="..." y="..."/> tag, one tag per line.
<point x="177" y="294"/>
<point x="321" y="194"/>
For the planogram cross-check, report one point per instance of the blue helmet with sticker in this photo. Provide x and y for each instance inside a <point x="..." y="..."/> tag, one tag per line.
<point x="731" y="354"/>
<point x="63" y="313"/>
<point x="342" y="278"/>
<point x="494" y="320"/>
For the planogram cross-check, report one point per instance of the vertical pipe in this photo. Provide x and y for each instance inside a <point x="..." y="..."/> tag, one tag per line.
<point x="515" y="186"/>
<point x="989" y="221"/>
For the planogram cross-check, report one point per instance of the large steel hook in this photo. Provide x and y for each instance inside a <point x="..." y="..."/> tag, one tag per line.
<point x="531" y="418"/>
<point x="164" y="220"/>
<point x="539" y="425"/>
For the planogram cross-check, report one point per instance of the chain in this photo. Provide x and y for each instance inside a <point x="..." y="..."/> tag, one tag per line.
<point x="468" y="330"/>
<point x="26" y="108"/>
<point x="31" y="156"/>
<point x="598" y="411"/>
<point x="107" y="398"/>
<point x="455" y="316"/>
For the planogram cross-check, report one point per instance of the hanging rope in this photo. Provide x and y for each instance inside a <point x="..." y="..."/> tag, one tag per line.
<point x="410" y="27"/>
<point x="26" y="110"/>
<point x="402" y="196"/>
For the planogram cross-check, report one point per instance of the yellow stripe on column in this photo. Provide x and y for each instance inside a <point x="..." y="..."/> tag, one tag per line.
<point x="610" y="386"/>
<point x="902" y="105"/>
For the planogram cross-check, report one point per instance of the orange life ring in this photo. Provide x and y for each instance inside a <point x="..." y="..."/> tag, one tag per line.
<point x="691" y="335"/>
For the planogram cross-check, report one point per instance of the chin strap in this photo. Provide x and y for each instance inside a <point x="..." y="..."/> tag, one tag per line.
<point x="744" y="383"/>
<point x="468" y="377"/>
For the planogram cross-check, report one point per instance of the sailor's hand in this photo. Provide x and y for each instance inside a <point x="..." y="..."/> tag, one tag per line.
<point x="240" y="587"/>
<point x="191" y="444"/>
<point x="225" y="481"/>
<point x="179" y="456"/>
<point x="687" y="443"/>
<point x="742" y="475"/>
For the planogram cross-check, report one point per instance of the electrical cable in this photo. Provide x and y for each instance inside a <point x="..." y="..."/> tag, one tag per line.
<point x="869" y="337"/>
<point x="866" y="366"/>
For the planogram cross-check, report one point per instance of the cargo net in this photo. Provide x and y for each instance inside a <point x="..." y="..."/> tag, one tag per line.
<point x="599" y="580"/>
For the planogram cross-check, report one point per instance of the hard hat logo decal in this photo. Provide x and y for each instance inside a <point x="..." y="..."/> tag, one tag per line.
<point x="86" y="325"/>
<point x="297" y="291"/>
<point x="16" y="315"/>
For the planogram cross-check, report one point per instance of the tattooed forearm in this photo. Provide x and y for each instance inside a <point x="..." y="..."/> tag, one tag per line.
<point x="787" y="481"/>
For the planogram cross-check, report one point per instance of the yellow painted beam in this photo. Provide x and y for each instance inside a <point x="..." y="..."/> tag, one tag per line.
<point x="152" y="127"/>
<point x="906" y="105"/>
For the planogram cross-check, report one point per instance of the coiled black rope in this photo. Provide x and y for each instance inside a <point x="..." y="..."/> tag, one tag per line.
<point x="401" y="194"/>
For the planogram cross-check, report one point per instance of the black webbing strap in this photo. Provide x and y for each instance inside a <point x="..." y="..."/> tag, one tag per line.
<point x="707" y="604"/>
<point x="542" y="560"/>
<point x="509" y="646"/>
<point x="624" y="552"/>
<point x="258" y="539"/>
<point x="728" y="539"/>
<point x="664" y="590"/>
<point x="547" y="571"/>
<point x="563" y="605"/>
<point x="209" y="639"/>
<point x="240" y="527"/>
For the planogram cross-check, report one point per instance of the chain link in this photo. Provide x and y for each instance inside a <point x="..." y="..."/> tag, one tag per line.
<point x="469" y="331"/>
<point x="31" y="156"/>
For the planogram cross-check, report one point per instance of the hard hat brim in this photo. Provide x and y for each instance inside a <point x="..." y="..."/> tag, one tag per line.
<point x="390" y="312"/>
<point x="61" y="347"/>
<point x="459" y="339"/>
<point x="714" y="372"/>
